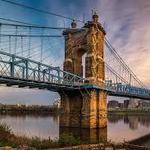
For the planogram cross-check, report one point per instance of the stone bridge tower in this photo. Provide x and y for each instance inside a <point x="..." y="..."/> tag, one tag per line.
<point x="84" y="56"/>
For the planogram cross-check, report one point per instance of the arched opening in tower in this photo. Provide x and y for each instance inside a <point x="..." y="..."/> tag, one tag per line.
<point x="83" y="64"/>
<point x="80" y="62"/>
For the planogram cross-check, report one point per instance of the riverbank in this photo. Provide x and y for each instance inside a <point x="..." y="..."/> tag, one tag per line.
<point x="124" y="146"/>
<point x="129" y="111"/>
<point x="65" y="142"/>
<point x="101" y="146"/>
<point x="86" y="147"/>
<point x="143" y="141"/>
<point x="7" y="138"/>
<point x="28" y="109"/>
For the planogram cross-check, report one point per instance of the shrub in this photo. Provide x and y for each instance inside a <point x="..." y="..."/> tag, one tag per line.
<point x="5" y="128"/>
<point x="68" y="140"/>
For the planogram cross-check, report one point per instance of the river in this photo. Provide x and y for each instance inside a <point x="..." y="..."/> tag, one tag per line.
<point x="119" y="127"/>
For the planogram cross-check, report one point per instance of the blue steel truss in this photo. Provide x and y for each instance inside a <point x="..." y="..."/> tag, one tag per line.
<point x="127" y="90"/>
<point x="24" y="72"/>
<point x="16" y="70"/>
<point x="121" y="90"/>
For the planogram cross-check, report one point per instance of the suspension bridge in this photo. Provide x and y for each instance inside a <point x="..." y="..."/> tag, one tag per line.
<point x="91" y="63"/>
<point x="18" y="67"/>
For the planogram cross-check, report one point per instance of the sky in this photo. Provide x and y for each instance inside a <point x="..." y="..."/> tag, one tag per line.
<point x="126" y="23"/>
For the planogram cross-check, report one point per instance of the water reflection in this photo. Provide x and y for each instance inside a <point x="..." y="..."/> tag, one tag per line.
<point x="127" y="127"/>
<point x="43" y="126"/>
<point x="86" y="135"/>
<point x="119" y="127"/>
<point x="132" y="120"/>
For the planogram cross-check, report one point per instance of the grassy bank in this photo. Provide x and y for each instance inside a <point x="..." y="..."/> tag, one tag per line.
<point x="23" y="109"/>
<point x="129" y="111"/>
<point x="7" y="138"/>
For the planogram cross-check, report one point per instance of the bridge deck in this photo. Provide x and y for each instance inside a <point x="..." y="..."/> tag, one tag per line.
<point x="23" y="72"/>
<point x="129" y="92"/>
<point x="57" y="87"/>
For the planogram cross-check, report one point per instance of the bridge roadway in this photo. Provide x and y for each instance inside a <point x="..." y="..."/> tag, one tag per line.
<point x="23" y="72"/>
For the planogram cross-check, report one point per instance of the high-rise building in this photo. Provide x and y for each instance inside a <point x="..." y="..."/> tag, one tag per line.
<point x="126" y="103"/>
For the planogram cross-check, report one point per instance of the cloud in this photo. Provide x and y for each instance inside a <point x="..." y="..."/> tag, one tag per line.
<point x="127" y="25"/>
<point x="26" y="96"/>
<point x="126" y="22"/>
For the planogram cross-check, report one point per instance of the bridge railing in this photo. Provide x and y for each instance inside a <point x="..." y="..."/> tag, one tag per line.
<point x="19" y="68"/>
<point x="16" y="67"/>
<point x="122" y="89"/>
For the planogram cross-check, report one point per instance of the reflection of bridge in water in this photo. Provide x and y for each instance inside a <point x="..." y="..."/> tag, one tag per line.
<point x="101" y="134"/>
<point x="85" y="135"/>
<point x="132" y="120"/>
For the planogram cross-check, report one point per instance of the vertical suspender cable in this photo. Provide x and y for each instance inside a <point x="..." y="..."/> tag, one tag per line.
<point x="22" y="46"/>
<point x="16" y="39"/>
<point x="41" y="55"/>
<point x="0" y="35"/>
<point x="29" y="52"/>
<point x="10" y="44"/>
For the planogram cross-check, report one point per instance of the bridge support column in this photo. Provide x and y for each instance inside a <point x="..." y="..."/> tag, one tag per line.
<point x="102" y="109"/>
<point x="71" y="103"/>
<point x="94" y="110"/>
<point x="85" y="109"/>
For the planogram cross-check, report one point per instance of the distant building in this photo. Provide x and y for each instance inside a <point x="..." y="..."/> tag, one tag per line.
<point x="121" y="105"/>
<point x="113" y="104"/>
<point x="144" y="104"/>
<point x="126" y="103"/>
<point x="1" y="105"/>
<point x="133" y="103"/>
<point x="129" y="104"/>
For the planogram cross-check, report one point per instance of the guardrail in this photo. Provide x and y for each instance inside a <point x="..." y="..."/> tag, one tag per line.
<point x="126" y="89"/>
